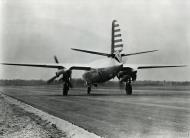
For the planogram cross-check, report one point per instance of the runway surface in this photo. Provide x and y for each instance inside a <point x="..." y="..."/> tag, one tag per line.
<point x="110" y="113"/>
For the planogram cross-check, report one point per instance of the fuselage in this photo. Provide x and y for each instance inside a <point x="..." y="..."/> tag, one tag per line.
<point x="103" y="70"/>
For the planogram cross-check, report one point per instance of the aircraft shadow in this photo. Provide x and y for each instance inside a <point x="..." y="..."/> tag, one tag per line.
<point x="123" y="95"/>
<point x="58" y="95"/>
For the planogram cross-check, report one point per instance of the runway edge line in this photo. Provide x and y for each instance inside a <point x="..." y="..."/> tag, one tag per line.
<point x="70" y="129"/>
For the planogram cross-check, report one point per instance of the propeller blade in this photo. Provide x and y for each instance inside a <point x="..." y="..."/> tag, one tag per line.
<point x="51" y="79"/>
<point x="56" y="60"/>
<point x="71" y="85"/>
<point x="66" y="77"/>
<point x="60" y="79"/>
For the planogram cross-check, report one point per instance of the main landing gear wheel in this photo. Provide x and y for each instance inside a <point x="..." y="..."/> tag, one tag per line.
<point x="128" y="89"/>
<point x="65" y="88"/>
<point x="88" y="90"/>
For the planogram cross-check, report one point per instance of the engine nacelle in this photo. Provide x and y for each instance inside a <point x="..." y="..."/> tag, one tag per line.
<point x="127" y="74"/>
<point x="59" y="72"/>
<point x="125" y="78"/>
<point x="134" y="75"/>
<point x="66" y="74"/>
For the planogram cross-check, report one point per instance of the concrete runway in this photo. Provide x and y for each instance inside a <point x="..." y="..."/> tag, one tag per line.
<point x="110" y="113"/>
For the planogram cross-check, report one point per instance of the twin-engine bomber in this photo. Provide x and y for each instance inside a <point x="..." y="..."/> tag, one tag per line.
<point x="101" y="70"/>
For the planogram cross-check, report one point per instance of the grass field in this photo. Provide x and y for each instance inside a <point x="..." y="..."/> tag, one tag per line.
<point x="78" y="83"/>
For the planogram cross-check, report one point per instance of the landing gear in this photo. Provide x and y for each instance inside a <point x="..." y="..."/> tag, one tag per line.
<point x="88" y="89"/>
<point x="65" y="88"/>
<point x="128" y="88"/>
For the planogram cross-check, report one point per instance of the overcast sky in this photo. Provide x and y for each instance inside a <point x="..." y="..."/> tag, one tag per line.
<point x="33" y="31"/>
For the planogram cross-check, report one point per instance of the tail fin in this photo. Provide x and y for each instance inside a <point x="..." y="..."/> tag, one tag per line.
<point x="116" y="41"/>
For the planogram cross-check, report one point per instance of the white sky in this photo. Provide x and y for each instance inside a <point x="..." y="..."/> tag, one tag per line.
<point x="33" y="31"/>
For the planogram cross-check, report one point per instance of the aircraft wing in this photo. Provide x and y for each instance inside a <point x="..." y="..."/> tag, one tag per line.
<point x="135" y="66"/>
<point x="158" y="66"/>
<point x="58" y="66"/>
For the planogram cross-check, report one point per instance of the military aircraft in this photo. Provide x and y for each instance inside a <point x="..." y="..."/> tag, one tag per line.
<point x="101" y="70"/>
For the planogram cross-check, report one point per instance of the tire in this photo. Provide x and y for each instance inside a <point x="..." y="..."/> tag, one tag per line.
<point x="88" y="90"/>
<point x="128" y="89"/>
<point x="65" y="89"/>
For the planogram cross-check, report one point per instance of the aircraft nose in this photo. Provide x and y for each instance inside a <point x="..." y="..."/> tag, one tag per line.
<point x="120" y="67"/>
<point x="117" y="68"/>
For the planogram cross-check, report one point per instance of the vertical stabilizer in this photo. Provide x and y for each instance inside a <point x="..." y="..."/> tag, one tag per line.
<point x="116" y="41"/>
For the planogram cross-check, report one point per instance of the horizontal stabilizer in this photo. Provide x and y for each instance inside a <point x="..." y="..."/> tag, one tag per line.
<point x="138" y="53"/>
<point x="92" y="52"/>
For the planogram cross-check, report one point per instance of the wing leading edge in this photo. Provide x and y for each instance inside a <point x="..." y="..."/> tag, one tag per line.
<point x="159" y="66"/>
<point x="57" y="66"/>
<point x="135" y="66"/>
<point x="36" y="65"/>
<point x="87" y="67"/>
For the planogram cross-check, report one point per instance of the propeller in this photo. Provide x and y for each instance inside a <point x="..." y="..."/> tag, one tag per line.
<point x="65" y="75"/>
<point x="56" y="60"/>
<point x="56" y="76"/>
<point x="51" y="79"/>
<point x="70" y="79"/>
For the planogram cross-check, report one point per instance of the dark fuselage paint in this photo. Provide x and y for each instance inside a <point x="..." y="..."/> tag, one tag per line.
<point x="101" y="74"/>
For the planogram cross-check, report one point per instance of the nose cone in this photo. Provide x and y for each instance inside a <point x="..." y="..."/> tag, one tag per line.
<point x="114" y="70"/>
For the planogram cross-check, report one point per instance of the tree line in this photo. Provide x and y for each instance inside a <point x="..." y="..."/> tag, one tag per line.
<point x="81" y="83"/>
